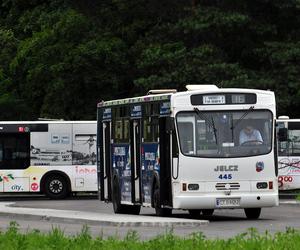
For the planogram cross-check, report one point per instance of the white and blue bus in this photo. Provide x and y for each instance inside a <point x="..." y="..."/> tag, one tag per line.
<point x="183" y="150"/>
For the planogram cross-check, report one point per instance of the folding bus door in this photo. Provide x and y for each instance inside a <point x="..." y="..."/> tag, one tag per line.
<point x="135" y="159"/>
<point x="106" y="161"/>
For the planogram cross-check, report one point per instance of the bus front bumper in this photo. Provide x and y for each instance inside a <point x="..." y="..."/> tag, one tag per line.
<point x="217" y="201"/>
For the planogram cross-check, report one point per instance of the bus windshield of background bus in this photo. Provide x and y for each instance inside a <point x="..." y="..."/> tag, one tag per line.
<point x="225" y="134"/>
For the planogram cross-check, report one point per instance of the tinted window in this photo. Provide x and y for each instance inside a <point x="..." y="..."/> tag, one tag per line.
<point x="14" y="150"/>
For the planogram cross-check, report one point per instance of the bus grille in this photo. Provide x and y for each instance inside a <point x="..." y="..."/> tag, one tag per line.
<point x="228" y="186"/>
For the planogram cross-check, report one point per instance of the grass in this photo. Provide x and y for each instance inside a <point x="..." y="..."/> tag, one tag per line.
<point x="56" y="239"/>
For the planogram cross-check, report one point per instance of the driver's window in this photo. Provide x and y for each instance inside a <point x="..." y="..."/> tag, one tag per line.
<point x="186" y="137"/>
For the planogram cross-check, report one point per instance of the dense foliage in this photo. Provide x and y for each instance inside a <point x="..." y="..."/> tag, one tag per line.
<point x="58" y="58"/>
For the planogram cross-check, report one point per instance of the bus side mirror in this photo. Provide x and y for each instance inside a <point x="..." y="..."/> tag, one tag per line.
<point x="170" y="126"/>
<point x="282" y="134"/>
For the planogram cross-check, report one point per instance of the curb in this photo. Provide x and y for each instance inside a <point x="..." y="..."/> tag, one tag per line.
<point x="70" y="216"/>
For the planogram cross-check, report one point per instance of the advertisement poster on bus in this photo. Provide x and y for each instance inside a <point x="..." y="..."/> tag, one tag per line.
<point x="150" y="163"/>
<point x="64" y="144"/>
<point x="289" y="173"/>
<point x="121" y="163"/>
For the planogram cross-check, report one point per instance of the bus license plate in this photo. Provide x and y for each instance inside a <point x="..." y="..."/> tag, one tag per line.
<point x="228" y="202"/>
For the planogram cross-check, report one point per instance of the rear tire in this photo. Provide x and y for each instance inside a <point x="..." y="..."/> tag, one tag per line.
<point x="252" y="213"/>
<point x="208" y="212"/>
<point x="195" y="213"/>
<point x="56" y="187"/>
<point x="160" y="211"/>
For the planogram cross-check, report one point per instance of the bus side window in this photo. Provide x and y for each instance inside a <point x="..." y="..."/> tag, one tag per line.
<point x="15" y="151"/>
<point x="1" y="152"/>
<point x="282" y="134"/>
<point x="8" y="155"/>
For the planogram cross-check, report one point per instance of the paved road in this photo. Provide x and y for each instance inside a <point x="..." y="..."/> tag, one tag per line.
<point x="223" y="224"/>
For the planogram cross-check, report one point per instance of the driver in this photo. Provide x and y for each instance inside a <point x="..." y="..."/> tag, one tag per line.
<point x="251" y="135"/>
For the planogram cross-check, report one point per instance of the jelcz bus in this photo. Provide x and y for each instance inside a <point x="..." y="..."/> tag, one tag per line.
<point x="55" y="158"/>
<point x="182" y="150"/>
<point x="288" y="131"/>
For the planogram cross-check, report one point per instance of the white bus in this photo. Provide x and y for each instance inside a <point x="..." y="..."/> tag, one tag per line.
<point x="184" y="150"/>
<point x="288" y="131"/>
<point x="51" y="157"/>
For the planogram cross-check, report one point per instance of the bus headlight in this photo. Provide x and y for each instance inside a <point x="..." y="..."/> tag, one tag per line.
<point x="261" y="185"/>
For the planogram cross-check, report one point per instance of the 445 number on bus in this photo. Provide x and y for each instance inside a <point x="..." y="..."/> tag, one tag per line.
<point x="225" y="176"/>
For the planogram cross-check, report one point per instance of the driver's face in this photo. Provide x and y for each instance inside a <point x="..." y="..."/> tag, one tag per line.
<point x="248" y="130"/>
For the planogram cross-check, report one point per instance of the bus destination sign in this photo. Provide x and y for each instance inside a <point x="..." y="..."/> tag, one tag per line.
<point x="214" y="99"/>
<point x="222" y="99"/>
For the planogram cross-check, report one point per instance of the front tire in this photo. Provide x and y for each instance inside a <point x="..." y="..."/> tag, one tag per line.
<point x="116" y="198"/>
<point x="56" y="187"/>
<point x="133" y="209"/>
<point x="252" y="213"/>
<point x="160" y="211"/>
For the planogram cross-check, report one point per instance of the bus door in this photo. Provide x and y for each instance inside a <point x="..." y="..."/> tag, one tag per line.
<point x="150" y="157"/>
<point x="135" y="159"/>
<point x="165" y="148"/>
<point x="106" y="175"/>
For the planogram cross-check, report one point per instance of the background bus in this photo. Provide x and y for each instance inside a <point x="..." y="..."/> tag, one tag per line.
<point x="52" y="157"/>
<point x="288" y="153"/>
<point x="183" y="151"/>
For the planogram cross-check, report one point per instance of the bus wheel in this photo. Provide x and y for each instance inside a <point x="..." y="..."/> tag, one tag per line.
<point x="116" y="199"/>
<point x="252" y="213"/>
<point x="135" y="209"/>
<point x="194" y="213"/>
<point x="163" y="212"/>
<point x="208" y="212"/>
<point x="56" y="187"/>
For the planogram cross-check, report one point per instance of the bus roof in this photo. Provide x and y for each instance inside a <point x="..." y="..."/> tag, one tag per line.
<point x="200" y="89"/>
<point x="46" y="122"/>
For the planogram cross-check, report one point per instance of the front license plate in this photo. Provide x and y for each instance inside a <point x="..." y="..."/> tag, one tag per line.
<point x="228" y="202"/>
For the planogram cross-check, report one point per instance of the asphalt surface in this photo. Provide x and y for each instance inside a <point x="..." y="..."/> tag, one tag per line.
<point x="70" y="215"/>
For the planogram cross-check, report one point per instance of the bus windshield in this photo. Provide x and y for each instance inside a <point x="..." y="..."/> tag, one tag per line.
<point x="225" y="134"/>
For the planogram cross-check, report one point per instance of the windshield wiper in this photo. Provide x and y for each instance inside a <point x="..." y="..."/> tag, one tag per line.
<point x="242" y="117"/>
<point x="210" y="123"/>
<point x="239" y="120"/>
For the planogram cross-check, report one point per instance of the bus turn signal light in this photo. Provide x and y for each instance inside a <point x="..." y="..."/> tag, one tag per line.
<point x="270" y="184"/>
